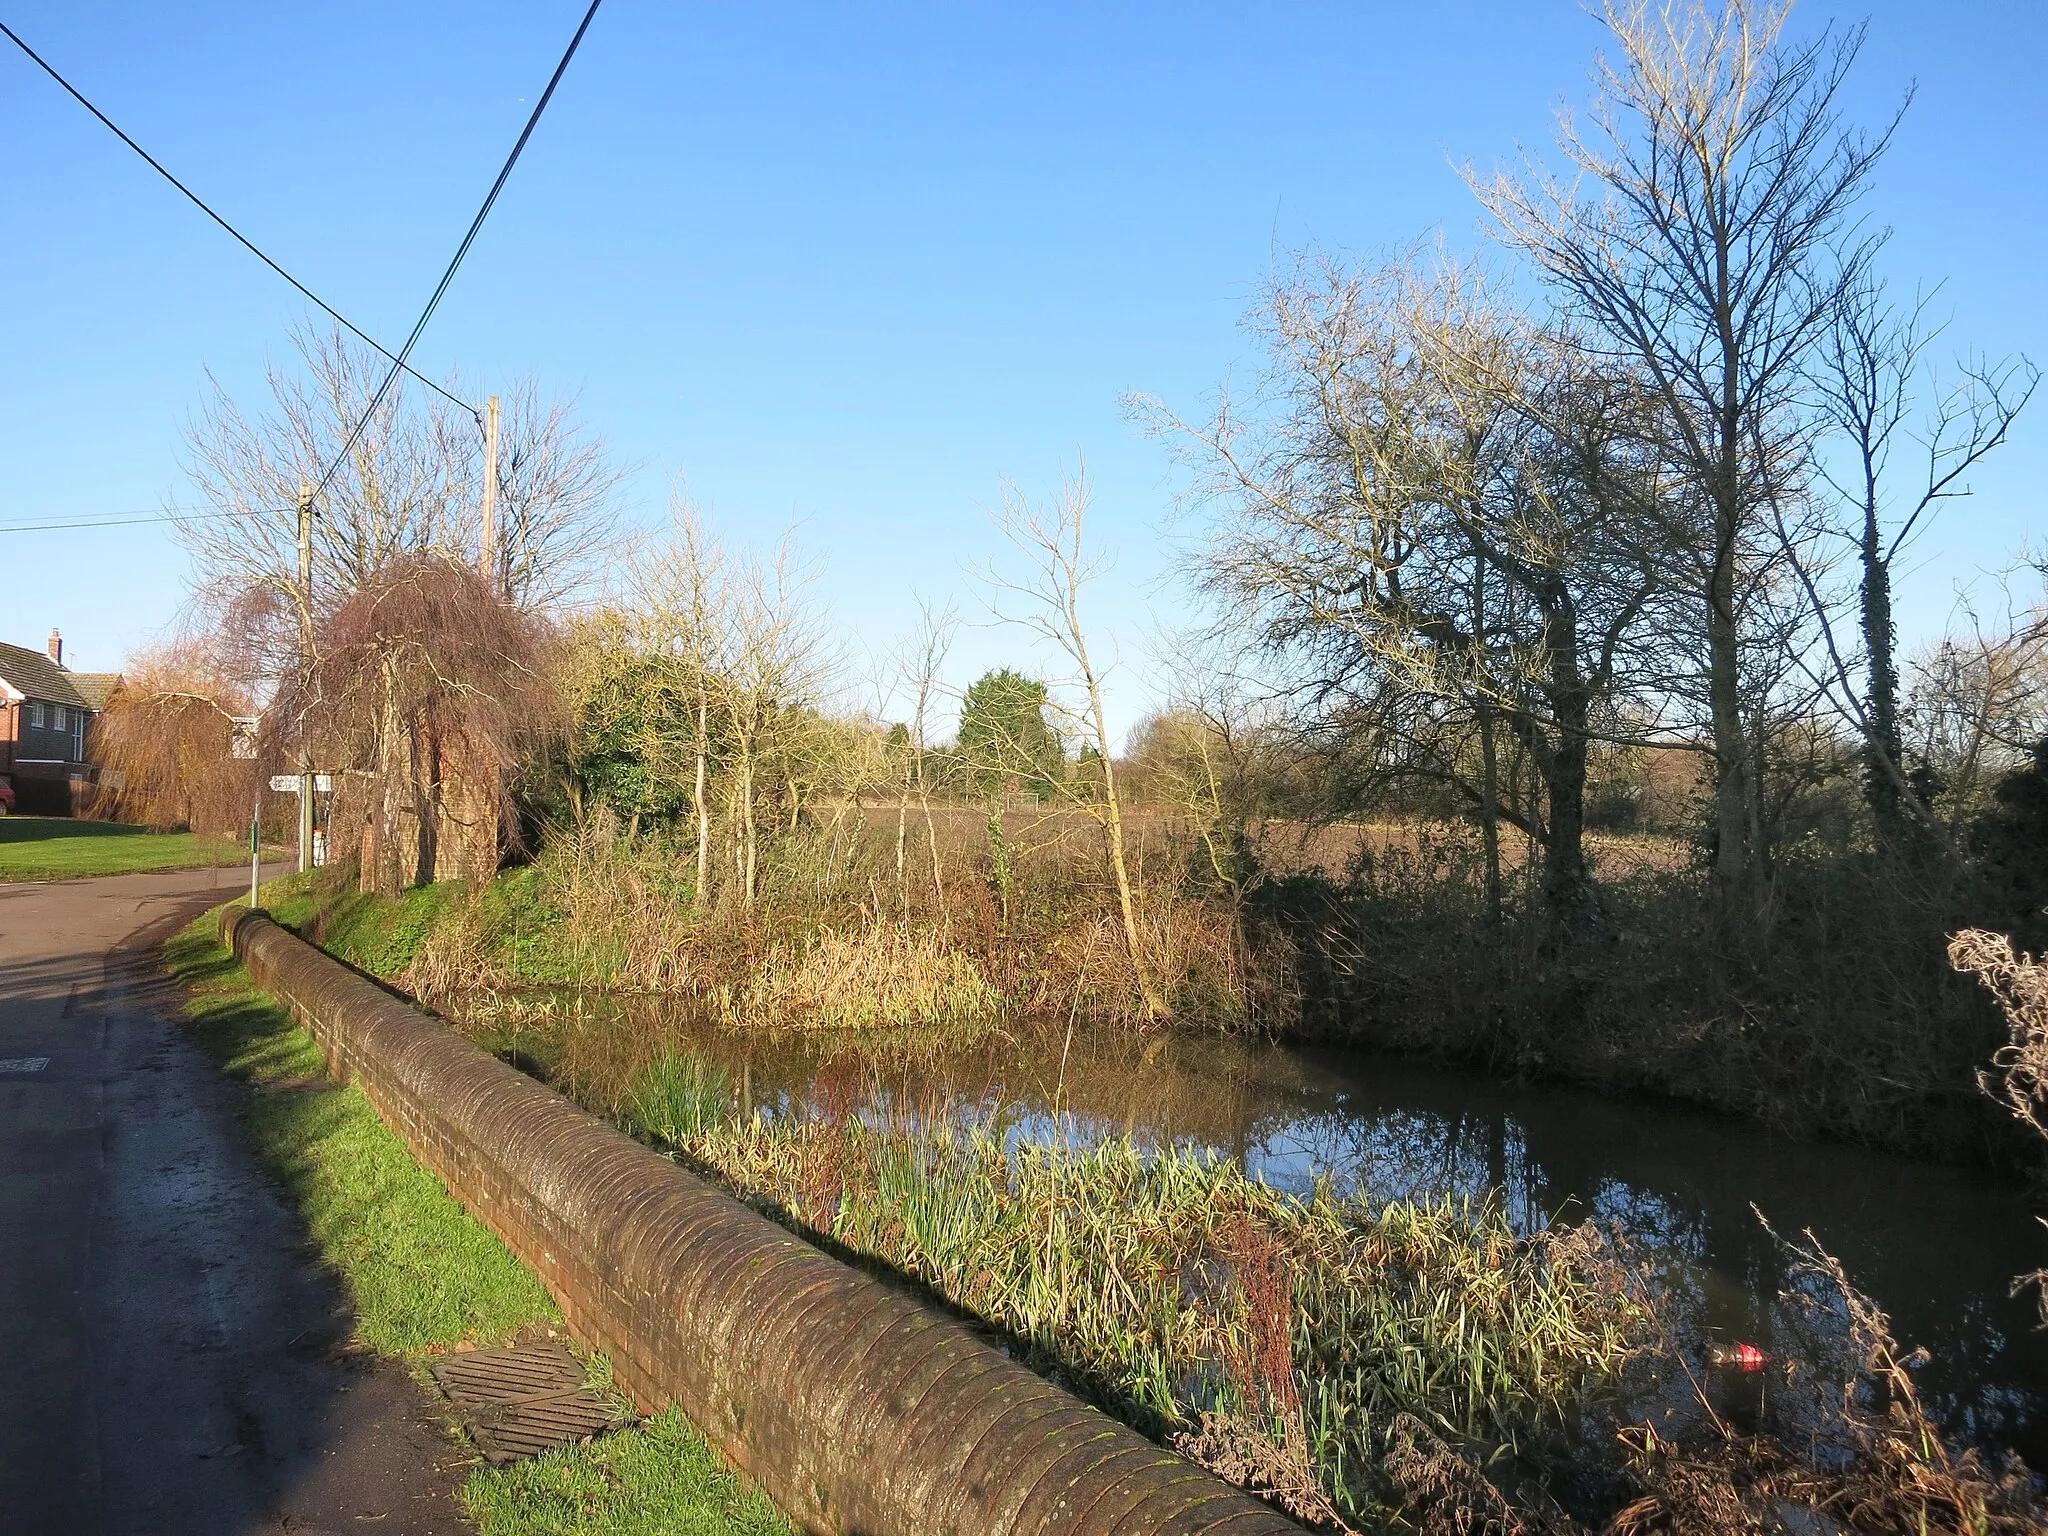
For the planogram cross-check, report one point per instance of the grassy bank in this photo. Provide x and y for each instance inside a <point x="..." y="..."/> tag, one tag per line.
<point x="424" y="1276"/>
<point x="59" y="848"/>
<point x="1845" y="1021"/>
<point x="1018" y="921"/>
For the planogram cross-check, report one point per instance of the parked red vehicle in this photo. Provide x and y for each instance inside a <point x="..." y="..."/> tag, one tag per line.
<point x="6" y="798"/>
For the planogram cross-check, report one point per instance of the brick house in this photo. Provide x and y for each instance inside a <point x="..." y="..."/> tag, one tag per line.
<point x="46" y="713"/>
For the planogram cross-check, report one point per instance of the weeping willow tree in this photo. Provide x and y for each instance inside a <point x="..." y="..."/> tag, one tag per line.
<point x="426" y="690"/>
<point x="166" y="741"/>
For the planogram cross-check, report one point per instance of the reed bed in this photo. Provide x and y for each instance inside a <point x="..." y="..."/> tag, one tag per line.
<point x="880" y="975"/>
<point x="1406" y="1364"/>
<point x="1278" y="1338"/>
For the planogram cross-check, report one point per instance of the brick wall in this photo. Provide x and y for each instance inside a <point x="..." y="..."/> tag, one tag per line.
<point x="861" y="1411"/>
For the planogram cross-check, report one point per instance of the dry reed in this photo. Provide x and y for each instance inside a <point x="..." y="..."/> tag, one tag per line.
<point x="1280" y="1335"/>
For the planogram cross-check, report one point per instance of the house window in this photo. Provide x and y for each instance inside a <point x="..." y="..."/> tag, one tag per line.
<point x="35" y="716"/>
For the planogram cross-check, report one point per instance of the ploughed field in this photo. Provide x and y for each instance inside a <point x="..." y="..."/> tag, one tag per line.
<point x="1117" y="1205"/>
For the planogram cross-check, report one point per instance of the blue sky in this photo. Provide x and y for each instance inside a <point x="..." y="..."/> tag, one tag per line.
<point x="842" y="267"/>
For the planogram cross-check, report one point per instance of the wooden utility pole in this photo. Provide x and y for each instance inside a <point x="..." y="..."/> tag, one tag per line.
<point x="487" y="546"/>
<point x="305" y="660"/>
<point x="475" y="790"/>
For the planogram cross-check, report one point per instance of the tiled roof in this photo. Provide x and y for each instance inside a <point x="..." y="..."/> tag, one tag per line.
<point x="33" y="675"/>
<point x="95" y="687"/>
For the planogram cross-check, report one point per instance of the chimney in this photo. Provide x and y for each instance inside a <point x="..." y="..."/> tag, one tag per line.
<point x="56" y="648"/>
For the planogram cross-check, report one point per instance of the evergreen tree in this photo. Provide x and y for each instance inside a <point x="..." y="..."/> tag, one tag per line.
<point x="1004" y="737"/>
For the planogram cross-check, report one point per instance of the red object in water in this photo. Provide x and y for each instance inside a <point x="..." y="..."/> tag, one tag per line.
<point x="1744" y="1357"/>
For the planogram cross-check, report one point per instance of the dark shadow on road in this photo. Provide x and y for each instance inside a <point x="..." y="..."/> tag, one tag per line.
<point x="198" y="1375"/>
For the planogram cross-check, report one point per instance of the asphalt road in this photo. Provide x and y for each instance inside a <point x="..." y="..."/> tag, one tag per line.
<point x="172" y="1357"/>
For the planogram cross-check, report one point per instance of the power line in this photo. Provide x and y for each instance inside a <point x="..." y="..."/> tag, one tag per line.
<point x="462" y="250"/>
<point x="246" y="243"/>
<point x="139" y="519"/>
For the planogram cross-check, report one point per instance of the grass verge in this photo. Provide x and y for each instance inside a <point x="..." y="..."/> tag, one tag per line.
<point x="58" y="848"/>
<point x="424" y="1275"/>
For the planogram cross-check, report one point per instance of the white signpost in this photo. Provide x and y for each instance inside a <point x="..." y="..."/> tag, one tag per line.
<point x="286" y="784"/>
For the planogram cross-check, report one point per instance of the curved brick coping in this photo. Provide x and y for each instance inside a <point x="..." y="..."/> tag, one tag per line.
<point x="859" y="1411"/>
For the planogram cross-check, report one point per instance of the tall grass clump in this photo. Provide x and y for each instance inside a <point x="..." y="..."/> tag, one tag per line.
<point x="679" y="1097"/>
<point x="2018" y="1075"/>
<point x="626" y="905"/>
<point x="1840" y="1440"/>
<point x="879" y="975"/>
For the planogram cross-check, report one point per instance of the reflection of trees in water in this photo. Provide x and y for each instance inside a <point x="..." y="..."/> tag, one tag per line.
<point x="1680" y="1187"/>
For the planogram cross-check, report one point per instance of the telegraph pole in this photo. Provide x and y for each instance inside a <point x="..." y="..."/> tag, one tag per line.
<point x="305" y="659"/>
<point x="487" y="545"/>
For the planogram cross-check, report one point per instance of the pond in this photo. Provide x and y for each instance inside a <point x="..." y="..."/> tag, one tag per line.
<point x="1937" y="1247"/>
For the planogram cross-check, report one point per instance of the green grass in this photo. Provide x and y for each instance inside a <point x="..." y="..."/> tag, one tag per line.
<point x="651" y="1481"/>
<point x="368" y="932"/>
<point x="518" y="928"/>
<point x="424" y="1275"/>
<point x="58" y="848"/>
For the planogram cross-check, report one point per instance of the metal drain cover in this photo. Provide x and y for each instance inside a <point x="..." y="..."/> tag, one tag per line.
<point x="522" y="1401"/>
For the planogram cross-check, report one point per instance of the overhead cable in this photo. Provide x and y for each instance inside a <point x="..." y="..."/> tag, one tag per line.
<point x="462" y="250"/>
<point x="246" y="243"/>
<point x="138" y="519"/>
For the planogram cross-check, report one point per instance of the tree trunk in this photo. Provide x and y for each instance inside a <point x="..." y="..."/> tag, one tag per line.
<point x="749" y="833"/>
<point x="1489" y="812"/>
<point x="1567" y="882"/>
<point x="1884" y="767"/>
<point x="931" y="837"/>
<point x="703" y="891"/>
<point x="902" y="837"/>
<point x="1737" y="894"/>
<point x="427" y="801"/>
<point x="1113" y="817"/>
<point x="385" y="878"/>
<point x="368" y="853"/>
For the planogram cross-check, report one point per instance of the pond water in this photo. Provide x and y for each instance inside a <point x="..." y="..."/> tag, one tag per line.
<point x="1937" y="1247"/>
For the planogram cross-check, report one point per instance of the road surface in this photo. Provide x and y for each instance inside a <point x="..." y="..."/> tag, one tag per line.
<point x="171" y="1354"/>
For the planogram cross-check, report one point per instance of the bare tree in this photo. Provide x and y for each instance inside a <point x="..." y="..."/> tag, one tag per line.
<point x="1446" y="518"/>
<point x="401" y="488"/>
<point x="681" y="625"/>
<point x="920" y="665"/>
<point x="411" y="482"/>
<point x="1191" y="757"/>
<point x="1975" y="706"/>
<point x="557" y="519"/>
<point x="779" y="664"/>
<point x="1707" y="242"/>
<point x="1057" y="566"/>
<point x="1870" y="373"/>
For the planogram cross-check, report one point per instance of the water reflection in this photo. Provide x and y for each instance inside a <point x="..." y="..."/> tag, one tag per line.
<point x="1937" y="1247"/>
